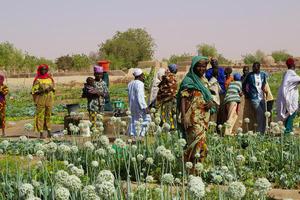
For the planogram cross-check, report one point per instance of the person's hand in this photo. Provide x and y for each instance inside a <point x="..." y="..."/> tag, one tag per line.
<point x="185" y="123"/>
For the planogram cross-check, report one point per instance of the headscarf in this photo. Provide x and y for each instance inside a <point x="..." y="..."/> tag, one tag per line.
<point x="98" y="69"/>
<point x="192" y="81"/>
<point x="237" y="77"/>
<point x="2" y="78"/>
<point x="290" y="61"/>
<point x="172" y="68"/>
<point x="39" y="75"/>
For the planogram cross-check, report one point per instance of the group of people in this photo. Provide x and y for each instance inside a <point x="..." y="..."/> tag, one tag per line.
<point x="212" y="95"/>
<point x="203" y="96"/>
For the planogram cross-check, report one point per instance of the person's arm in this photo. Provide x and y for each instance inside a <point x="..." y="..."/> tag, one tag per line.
<point x="141" y="96"/>
<point x="221" y="80"/>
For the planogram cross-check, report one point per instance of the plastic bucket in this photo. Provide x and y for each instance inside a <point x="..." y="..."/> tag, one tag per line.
<point x="104" y="64"/>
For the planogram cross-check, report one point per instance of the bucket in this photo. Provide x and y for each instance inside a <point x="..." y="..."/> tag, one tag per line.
<point x="72" y="107"/>
<point x="104" y="64"/>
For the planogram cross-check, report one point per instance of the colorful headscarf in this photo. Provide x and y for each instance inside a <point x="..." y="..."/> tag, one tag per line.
<point x="172" y="68"/>
<point x="39" y="75"/>
<point x="192" y="81"/>
<point x="98" y="69"/>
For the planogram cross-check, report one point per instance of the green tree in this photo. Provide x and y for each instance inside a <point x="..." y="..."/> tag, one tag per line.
<point x="207" y="50"/>
<point x="81" y="61"/>
<point x="10" y="57"/>
<point x="280" y="55"/>
<point x="64" y="62"/>
<point x="251" y="58"/>
<point x="127" y="48"/>
<point x="179" y="58"/>
<point x="223" y="61"/>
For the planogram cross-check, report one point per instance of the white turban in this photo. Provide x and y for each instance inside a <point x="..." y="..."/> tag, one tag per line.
<point x="137" y="72"/>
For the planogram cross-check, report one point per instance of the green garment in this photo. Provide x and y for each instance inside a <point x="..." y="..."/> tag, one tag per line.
<point x="192" y="81"/>
<point x="289" y="123"/>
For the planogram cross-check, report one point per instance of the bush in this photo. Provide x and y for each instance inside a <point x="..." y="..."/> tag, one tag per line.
<point x="280" y="55"/>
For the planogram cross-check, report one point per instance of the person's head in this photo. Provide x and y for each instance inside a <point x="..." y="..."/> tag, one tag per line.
<point x="200" y="67"/>
<point x="228" y="71"/>
<point x="2" y="78"/>
<point x="172" y="68"/>
<point x="237" y="77"/>
<point x="43" y="69"/>
<point x="214" y="63"/>
<point x="256" y="67"/>
<point x="98" y="72"/>
<point x="290" y="63"/>
<point x="90" y="81"/>
<point x="139" y="75"/>
<point x="245" y="70"/>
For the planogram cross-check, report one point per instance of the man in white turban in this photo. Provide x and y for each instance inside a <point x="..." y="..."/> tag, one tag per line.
<point x="137" y="103"/>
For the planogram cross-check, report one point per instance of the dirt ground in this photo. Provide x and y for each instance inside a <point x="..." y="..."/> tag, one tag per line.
<point x="17" y="83"/>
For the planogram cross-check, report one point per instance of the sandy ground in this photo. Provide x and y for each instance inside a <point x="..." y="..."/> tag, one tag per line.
<point x="17" y="83"/>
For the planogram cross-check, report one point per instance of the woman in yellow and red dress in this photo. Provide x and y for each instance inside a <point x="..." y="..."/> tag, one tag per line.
<point x="43" y="97"/>
<point x="3" y="93"/>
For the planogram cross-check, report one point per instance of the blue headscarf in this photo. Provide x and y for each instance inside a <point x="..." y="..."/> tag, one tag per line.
<point x="172" y="68"/>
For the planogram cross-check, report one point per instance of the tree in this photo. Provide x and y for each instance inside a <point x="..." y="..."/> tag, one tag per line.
<point x="256" y="57"/>
<point x="223" y="61"/>
<point x="64" y="62"/>
<point x="207" y="50"/>
<point x="280" y="55"/>
<point x="81" y="61"/>
<point x="127" y="48"/>
<point x="10" y="57"/>
<point x="179" y="58"/>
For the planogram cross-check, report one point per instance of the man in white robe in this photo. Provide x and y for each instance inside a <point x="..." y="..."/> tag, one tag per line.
<point x="288" y="96"/>
<point x="139" y="111"/>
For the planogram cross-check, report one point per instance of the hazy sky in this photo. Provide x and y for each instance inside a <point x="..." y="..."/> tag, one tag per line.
<point x="51" y="28"/>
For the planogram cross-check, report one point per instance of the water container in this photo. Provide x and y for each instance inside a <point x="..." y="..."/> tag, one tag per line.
<point x="104" y="64"/>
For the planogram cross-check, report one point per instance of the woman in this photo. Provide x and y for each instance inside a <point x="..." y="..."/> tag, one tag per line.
<point x="3" y="93"/>
<point x="96" y="99"/>
<point x="166" y="96"/>
<point x="43" y="97"/>
<point x="194" y="104"/>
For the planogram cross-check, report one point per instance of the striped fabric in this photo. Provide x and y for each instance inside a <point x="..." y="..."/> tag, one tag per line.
<point x="232" y="93"/>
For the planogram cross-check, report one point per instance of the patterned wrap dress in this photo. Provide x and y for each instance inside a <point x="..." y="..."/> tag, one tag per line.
<point x="3" y="93"/>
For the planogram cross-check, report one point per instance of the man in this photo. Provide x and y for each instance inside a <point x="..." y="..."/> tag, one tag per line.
<point x="137" y="104"/>
<point x="218" y="73"/>
<point x="245" y="72"/>
<point x="288" y="96"/>
<point x="254" y="88"/>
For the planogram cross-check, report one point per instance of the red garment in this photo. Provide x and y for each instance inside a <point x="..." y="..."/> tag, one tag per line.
<point x="39" y="75"/>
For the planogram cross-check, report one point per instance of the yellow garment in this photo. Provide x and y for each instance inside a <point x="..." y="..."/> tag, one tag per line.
<point x="43" y="100"/>
<point x="268" y="94"/>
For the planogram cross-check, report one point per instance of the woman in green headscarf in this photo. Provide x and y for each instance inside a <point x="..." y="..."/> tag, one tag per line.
<point x="194" y="104"/>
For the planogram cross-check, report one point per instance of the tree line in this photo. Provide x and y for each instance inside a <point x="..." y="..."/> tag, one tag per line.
<point x="124" y="50"/>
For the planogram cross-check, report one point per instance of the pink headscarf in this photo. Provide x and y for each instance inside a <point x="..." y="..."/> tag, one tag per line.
<point x="98" y="69"/>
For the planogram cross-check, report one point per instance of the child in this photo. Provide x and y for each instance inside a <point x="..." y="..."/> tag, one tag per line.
<point x="3" y="93"/>
<point x="231" y="101"/>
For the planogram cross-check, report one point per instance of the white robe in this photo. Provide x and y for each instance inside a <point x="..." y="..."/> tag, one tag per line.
<point x="137" y="104"/>
<point x="288" y="95"/>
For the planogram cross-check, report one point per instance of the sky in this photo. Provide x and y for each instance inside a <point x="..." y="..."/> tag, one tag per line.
<point x="52" y="28"/>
